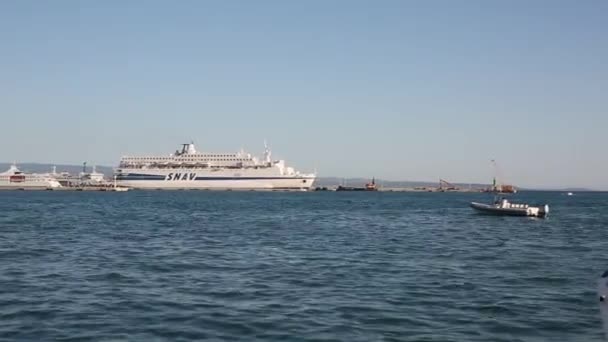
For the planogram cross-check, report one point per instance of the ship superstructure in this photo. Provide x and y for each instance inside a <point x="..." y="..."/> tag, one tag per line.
<point x="189" y="169"/>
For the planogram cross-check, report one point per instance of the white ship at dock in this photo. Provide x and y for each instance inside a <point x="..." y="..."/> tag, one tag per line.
<point x="189" y="169"/>
<point x="14" y="178"/>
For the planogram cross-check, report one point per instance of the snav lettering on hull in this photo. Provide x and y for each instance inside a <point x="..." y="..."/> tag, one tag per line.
<point x="180" y="176"/>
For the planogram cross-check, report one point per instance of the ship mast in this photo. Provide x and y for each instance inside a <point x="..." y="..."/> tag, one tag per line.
<point x="267" y="153"/>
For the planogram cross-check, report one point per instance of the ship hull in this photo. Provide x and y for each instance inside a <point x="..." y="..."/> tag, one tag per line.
<point x="197" y="179"/>
<point x="26" y="187"/>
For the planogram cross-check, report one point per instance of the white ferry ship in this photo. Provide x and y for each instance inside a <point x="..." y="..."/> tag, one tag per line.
<point x="15" y="179"/>
<point x="189" y="169"/>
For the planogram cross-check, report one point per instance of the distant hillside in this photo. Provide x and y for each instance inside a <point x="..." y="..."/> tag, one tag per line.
<point x="320" y="182"/>
<point x="44" y="168"/>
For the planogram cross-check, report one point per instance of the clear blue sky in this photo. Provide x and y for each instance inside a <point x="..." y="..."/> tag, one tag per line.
<point x="415" y="90"/>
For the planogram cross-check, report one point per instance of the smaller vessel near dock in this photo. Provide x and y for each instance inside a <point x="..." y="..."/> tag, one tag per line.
<point x="14" y="178"/>
<point x="119" y="188"/>
<point x="498" y="186"/>
<point x="92" y="177"/>
<point x="501" y="188"/>
<point x="368" y="187"/>
<point x="505" y="208"/>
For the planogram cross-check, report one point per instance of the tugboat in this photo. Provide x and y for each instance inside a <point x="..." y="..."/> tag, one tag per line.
<point x="368" y="187"/>
<point x="505" y="208"/>
<point x="371" y="186"/>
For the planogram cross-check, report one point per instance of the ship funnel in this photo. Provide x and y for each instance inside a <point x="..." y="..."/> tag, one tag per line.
<point x="187" y="149"/>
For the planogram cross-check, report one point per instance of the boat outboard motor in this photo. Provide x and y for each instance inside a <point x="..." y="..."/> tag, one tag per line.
<point x="602" y="292"/>
<point x="543" y="211"/>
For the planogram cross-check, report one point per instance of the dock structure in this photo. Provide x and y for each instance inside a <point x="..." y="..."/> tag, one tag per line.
<point x="430" y="189"/>
<point x="85" y="181"/>
<point x="409" y="189"/>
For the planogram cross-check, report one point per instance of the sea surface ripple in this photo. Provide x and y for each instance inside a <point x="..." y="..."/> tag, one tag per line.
<point x="321" y="266"/>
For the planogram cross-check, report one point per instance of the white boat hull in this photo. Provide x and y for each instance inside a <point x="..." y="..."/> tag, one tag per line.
<point x="515" y="210"/>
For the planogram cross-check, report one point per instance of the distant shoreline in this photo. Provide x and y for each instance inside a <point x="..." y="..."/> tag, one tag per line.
<point x="328" y="182"/>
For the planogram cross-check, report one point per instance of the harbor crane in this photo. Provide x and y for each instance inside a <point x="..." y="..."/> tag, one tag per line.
<point x="446" y="186"/>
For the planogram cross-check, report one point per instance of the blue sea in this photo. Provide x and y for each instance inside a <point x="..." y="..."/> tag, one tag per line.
<point x="318" y="266"/>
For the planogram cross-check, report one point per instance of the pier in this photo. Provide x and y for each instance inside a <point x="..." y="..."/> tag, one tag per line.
<point x="410" y="189"/>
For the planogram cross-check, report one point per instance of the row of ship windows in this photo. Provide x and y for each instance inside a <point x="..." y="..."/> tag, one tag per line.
<point x="189" y="160"/>
<point x="197" y="156"/>
<point x="186" y="159"/>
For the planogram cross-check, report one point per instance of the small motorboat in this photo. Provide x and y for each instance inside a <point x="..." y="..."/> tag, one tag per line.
<point x="506" y="208"/>
<point x="602" y="292"/>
